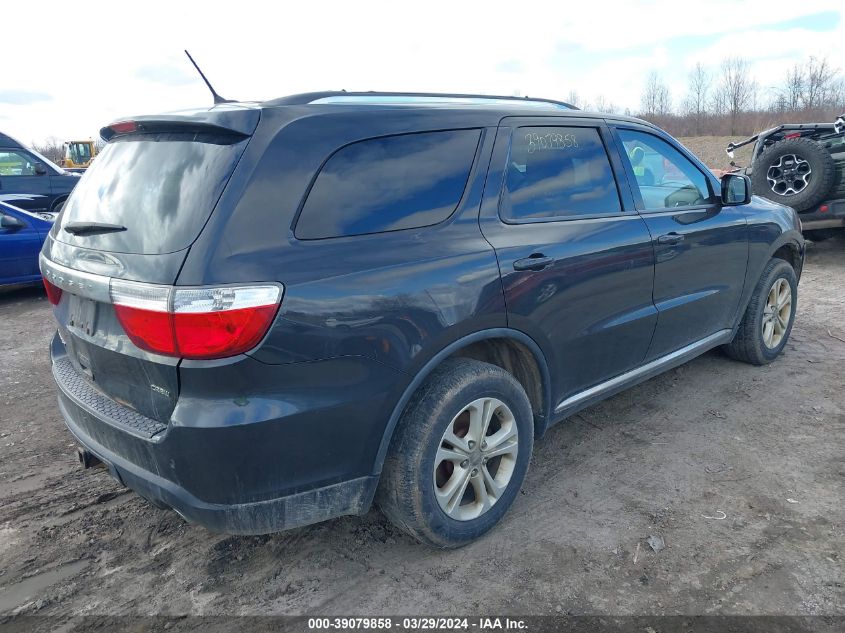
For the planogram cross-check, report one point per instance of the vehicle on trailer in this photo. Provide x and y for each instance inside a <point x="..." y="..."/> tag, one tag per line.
<point x="292" y="309"/>
<point x="42" y="185"/>
<point x="22" y="234"/>
<point x="802" y="165"/>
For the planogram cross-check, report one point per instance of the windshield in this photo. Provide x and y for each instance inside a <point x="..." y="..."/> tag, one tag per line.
<point x="79" y="152"/>
<point x="161" y="187"/>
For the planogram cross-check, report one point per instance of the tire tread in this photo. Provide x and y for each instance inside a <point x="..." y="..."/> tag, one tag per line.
<point x="399" y="495"/>
<point x="747" y="344"/>
<point x="823" y="164"/>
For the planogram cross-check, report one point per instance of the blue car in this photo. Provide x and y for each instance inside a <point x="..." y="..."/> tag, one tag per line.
<point x="21" y="235"/>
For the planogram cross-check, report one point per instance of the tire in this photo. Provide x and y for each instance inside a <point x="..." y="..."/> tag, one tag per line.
<point x="58" y="206"/>
<point x="798" y="172"/>
<point x="415" y="468"/>
<point x="749" y="344"/>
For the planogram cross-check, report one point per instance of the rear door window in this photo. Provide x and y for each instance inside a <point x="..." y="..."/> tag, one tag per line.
<point x="389" y="183"/>
<point x="161" y="187"/>
<point x="557" y="173"/>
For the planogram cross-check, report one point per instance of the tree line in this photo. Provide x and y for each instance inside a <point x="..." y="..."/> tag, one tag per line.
<point x="727" y="100"/>
<point x="54" y="150"/>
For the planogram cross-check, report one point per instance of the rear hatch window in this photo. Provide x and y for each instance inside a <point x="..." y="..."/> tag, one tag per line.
<point x="160" y="186"/>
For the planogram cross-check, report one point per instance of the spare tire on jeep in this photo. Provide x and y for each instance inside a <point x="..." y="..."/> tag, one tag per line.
<point x="796" y="172"/>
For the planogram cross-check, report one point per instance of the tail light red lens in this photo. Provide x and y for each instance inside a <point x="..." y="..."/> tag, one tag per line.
<point x="54" y="293"/>
<point x="148" y="329"/>
<point x="220" y="334"/>
<point x="196" y="323"/>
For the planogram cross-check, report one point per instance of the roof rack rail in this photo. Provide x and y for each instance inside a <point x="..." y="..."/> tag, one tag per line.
<point x="344" y="96"/>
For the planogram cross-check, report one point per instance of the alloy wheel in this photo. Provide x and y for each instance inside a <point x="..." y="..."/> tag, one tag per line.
<point x="789" y="176"/>
<point x="776" y="313"/>
<point x="475" y="459"/>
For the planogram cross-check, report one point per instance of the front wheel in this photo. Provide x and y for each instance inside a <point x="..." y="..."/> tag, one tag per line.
<point x="767" y="323"/>
<point x="58" y="206"/>
<point x="459" y="454"/>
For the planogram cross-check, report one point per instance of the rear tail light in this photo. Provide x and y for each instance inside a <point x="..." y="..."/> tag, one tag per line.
<point x="54" y="293"/>
<point x="197" y="323"/>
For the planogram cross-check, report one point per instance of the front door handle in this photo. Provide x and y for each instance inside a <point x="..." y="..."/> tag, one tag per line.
<point x="535" y="261"/>
<point x="670" y="238"/>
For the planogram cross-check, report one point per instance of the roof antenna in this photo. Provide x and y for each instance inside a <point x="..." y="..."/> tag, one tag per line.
<point x="217" y="97"/>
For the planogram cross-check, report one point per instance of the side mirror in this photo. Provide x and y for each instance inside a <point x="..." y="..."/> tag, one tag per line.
<point x="40" y="169"/>
<point x="736" y="189"/>
<point x="10" y="223"/>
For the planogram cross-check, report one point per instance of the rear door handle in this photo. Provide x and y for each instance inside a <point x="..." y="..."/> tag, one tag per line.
<point x="535" y="261"/>
<point x="670" y="238"/>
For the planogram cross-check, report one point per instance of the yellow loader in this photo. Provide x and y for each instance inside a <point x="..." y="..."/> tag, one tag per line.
<point x="78" y="155"/>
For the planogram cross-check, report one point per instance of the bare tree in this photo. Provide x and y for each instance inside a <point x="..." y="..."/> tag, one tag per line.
<point x="575" y="99"/>
<point x="695" y="104"/>
<point x="737" y="91"/>
<point x="52" y="148"/>
<point x="603" y="105"/>
<point x="656" y="100"/>
<point x="718" y="103"/>
<point x="820" y="85"/>
<point x="792" y="94"/>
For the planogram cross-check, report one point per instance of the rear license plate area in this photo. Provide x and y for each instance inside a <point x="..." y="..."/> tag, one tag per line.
<point x="82" y="314"/>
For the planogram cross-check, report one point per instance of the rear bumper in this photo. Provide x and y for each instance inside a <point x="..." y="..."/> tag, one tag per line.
<point x="258" y="517"/>
<point x="246" y="476"/>
<point x="833" y="218"/>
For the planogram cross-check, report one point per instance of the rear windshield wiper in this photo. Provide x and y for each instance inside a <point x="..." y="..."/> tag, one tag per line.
<point x="89" y="228"/>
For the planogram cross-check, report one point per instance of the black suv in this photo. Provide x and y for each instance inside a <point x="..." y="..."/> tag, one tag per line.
<point x="273" y="314"/>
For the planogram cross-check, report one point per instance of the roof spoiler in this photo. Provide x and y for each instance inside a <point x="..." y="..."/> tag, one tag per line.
<point x="232" y="120"/>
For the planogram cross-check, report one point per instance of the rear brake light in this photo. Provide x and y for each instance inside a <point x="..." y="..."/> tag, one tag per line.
<point x="124" y="127"/>
<point x="197" y="323"/>
<point x="54" y="293"/>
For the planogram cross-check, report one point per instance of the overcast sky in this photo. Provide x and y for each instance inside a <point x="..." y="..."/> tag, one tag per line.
<point x="71" y="67"/>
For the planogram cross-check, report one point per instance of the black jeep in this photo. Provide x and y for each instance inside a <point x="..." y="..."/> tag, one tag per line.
<point x="802" y="165"/>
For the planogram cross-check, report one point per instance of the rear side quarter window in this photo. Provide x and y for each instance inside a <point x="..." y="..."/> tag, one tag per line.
<point x="389" y="183"/>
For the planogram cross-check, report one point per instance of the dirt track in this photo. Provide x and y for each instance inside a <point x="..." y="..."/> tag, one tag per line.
<point x="763" y="446"/>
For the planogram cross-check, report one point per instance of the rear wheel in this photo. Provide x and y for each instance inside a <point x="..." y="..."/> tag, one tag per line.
<point x="459" y="454"/>
<point x="767" y="323"/>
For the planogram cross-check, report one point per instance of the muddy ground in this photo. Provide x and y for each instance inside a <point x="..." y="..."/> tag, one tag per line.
<point x="764" y="448"/>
